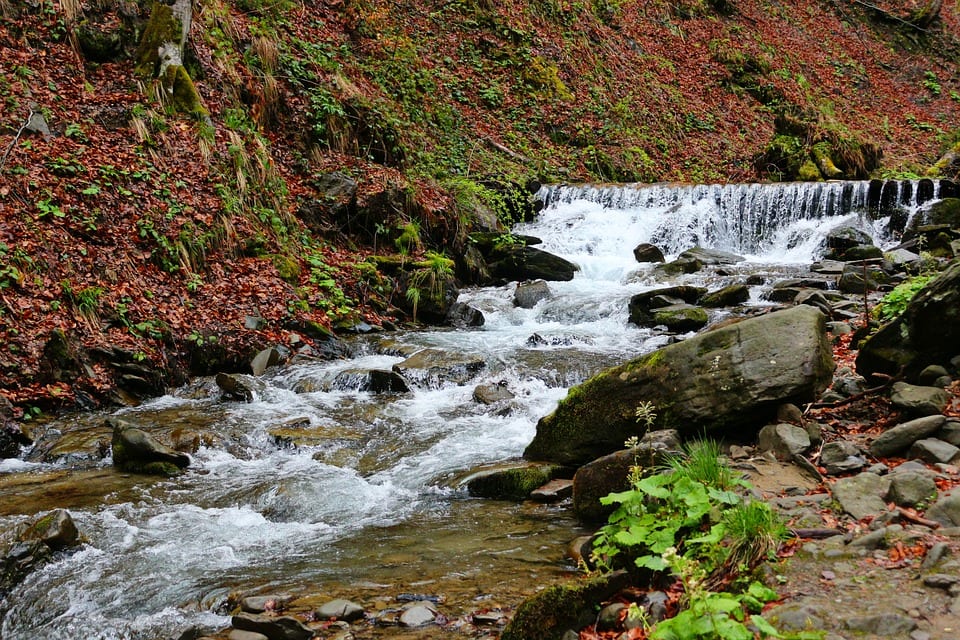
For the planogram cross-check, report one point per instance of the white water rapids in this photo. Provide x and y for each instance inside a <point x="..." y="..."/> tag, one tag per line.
<point x="371" y="507"/>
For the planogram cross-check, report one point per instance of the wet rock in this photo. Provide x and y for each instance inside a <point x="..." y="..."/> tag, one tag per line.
<point x="511" y="482"/>
<point x="610" y="473"/>
<point x="646" y="252"/>
<point x="492" y="393"/>
<point x="678" y="266"/>
<point x="710" y="256"/>
<point x="555" y="609"/>
<point x="240" y="634"/>
<point x="56" y="529"/>
<point x="237" y="386"/>
<point x="462" y="316"/>
<point x="828" y="267"/>
<point x="919" y="401"/>
<point x="814" y="299"/>
<point x="340" y="610"/>
<point x="642" y="305"/>
<point x="520" y="263"/>
<point x="434" y="366"/>
<point x="933" y="451"/>
<point x="729" y="379"/>
<point x="260" y="604"/>
<point x="372" y="380"/>
<point x="946" y="510"/>
<point x="274" y="628"/>
<point x="727" y="297"/>
<point x="910" y="488"/>
<point x="264" y="360"/>
<point x="856" y="279"/>
<point x="136" y="451"/>
<point x="528" y="294"/>
<point x="841" y="456"/>
<point x="680" y="318"/>
<point x="931" y="374"/>
<point x="33" y="545"/>
<point x="862" y="495"/>
<point x="783" y="440"/>
<point x="902" y="436"/>
<point x="553" y="491"/>
<point x="609" y="617"/>
<point x="846" y="237"/>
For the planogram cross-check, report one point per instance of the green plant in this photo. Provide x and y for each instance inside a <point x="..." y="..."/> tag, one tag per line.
<point x="47" y="207"/>
<point x="895" y="302"/>
<point x="646" y="413"/>
<point x="931" y="84"/>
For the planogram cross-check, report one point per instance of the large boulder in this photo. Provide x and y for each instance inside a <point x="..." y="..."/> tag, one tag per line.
<point x="928" y="331"/>
<point x="730" y="379"/>
<point x="519" y="262"/>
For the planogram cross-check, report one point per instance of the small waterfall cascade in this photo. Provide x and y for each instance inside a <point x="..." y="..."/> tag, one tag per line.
<point x="755" y="219"/>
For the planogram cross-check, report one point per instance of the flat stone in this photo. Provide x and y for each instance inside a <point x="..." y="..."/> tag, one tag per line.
<point x="264" y="360"/>
<point x="528" y="294"/>
<point x="941" y="580"/>
<point x="933" y="450"/>
<point x="259" y="604"/>
<point x="862" y="495"/>
<point x="240" y="634"/>
<point x="492" y="393"/>
<point x="910" y="488"/>
<point x="900" y="437"/>
<point x="841" y="456"/>
<point x="417" y="616"/>
<point x="340" y="609"/>
<point x="553" y="491"/>
<point x="784" y="440"/>
<point x="274" y="628"/>
<point x="917" y="400"/>
<point x="795" y="617"/>
<point x="884" y="624"/>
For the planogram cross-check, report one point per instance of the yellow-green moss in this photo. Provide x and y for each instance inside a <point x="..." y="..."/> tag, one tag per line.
<point x="808" y="171"/>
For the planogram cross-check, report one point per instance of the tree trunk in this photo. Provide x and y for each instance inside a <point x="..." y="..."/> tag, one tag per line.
<point x="160" y="56"/>
<point x="924" y="16"/>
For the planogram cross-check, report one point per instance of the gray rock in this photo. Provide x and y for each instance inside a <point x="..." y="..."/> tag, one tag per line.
<point x="236" y="386"/>
<point x="433" y="367"/>
<point x="902" y="436"/>
<point x="259" y="604"/>
<point x="680" y="318"/>
<point x="642" y="304"/>
<point x="841" y="456"/>
<point x="492" y="393"/>
<point x="274" y="628"/>
<point x="462" y="316"/>
<point x="264" y="360"/>
<point x="528" y="294"/>
<point x="372" y="380"/>
<point x="783" y="440"/>
<point x="846" y="237"/>
<point x="678" y="266"/>
<point x="853" y="280"/>
<point x="646" y="252"/>
<point x="511" y="481"/>
<point x="795" y="617"/>
<point x="710" y="256"/>
<point x="240" y="634"/>
<point x="930" y="374"/>
<point x="919" y="401"/>
<point x="529" y="263"/>
<point x="872" y="540"/>
<point x="136" y="451"/>
<point x="950" y="432"/>
<point x="56" y="529"/>
<point x="933" y="451"/>
<point x="609" y="617"/>
<point x="936" y="553"/>
<point x="910" y="488"/>
<point x="727" y="379"/>
<point x="418" y="615"/>
<point x="340" y="610"/>
<point x="884" y="624"/>
<point x="862" y="495"/>
<point x="554" y="491"/>
<point x="946" y="510"/>
<point x="940" y="580"/>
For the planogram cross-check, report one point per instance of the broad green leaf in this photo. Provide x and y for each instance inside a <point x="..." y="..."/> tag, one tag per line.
<point x="766" y="629"/>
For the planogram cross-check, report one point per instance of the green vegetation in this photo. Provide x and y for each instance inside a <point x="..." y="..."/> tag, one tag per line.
<point x="691" y="520"/>
<point x="895" y="302"/>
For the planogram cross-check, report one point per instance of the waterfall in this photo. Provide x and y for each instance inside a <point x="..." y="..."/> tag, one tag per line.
<point x="757" y="219"/>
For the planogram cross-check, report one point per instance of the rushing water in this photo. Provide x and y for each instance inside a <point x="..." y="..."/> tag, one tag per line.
<point x="368" y="504"/>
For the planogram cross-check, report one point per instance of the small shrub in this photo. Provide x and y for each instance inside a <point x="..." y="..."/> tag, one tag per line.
<point x="895" y="302"/>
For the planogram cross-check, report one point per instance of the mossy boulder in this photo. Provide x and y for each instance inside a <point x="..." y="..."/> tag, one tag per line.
<point x="729" y="380"/>
<point x="511" y="482"/>
<point x="680" y="317"/>
<point x="727" y="296"/>
<point x="549" y="614"/>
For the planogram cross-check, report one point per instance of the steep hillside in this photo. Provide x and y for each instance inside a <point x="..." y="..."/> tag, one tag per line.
<point x="145" y="237"/>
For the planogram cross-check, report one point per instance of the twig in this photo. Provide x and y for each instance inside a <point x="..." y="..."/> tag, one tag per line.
<point x="914" y="518"/>
<point x="23" y="127"/>
<point x="513" y="154"/>
<point x="889" y="15"/>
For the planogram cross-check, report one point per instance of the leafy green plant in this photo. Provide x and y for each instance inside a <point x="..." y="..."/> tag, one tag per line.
<point x="895" y="302"/>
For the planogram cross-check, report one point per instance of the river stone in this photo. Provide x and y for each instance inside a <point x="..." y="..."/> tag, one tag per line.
<point x="609" y="474"/>
<point x="609" y="617"/>
<point x="784" y="440"/>
<point x="417" y="615"/>
<point x="550" y="612"/>
<point x="680" y="318"/>
<point x="928" y="331"/>
<point x="56" y="529"/>
<point x="528" y="294"/>
<point x="240" y="634"/>
<point x="730" y="379"/>
<point x="855" y="280"/>
<point x="434" y="367"/>
<point x="794" y="617"/>
<point x="237" y="386"/>
<point x="931" y="374"/>
<point x="710" y="256"/>
<point x="815" y="299"/>
<point x="259" y="604"/>
<point x="902" y="436"/>
<point x="340" y="610"/>
<point x="372" y="380"/>
<point x="884" y="624"/>
<point x="950" y="432"/>
<point x="463" y="316"/>
<point x="641" y="305"/>
<point x="678" y="266"/>
<point x="492" y="393"/>
<point x="553" y="491"/>
<point x="520" y="263"/>
<point x="274" y="628"/>
<point x="846" y="237"/>
<point x="511" y="481"/>
<point x="646" y="252"/>
<point x="933" y="451"/>
<point x="264" y="360"/>
<point x="727" y="296"/>
<point x="919" y="401"/>
<point x="862" y="495"/>
<point x="136" y="451"/>
<point x="911" y="488"/>
<point x="841" y="456"/>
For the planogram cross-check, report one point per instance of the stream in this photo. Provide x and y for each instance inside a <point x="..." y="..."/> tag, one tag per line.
<point x="365" y="501"/>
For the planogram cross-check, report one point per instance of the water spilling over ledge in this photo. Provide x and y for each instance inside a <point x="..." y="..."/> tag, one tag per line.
<point x="747" y="218"/>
